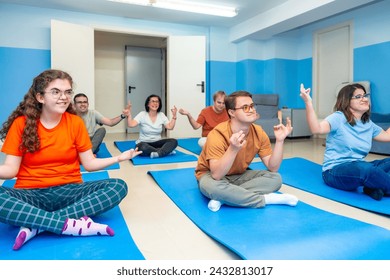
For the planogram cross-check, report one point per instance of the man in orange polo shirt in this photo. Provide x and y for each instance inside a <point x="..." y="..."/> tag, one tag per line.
<point x="222" y="172"/>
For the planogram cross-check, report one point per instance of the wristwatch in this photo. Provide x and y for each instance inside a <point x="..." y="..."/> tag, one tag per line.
<point x="123" y="116"/>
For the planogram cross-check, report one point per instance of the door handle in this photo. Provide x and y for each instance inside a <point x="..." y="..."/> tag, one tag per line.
<point x="202" y="85"/>
<point x="130" y="88"/>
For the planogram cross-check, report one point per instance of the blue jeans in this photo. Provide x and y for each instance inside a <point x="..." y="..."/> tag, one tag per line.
<point x="349" y="176"/>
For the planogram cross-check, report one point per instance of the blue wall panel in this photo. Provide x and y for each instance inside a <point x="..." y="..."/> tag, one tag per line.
<point x="18" y="69"/>
<point x="250" y="75"/>
<point x="282" y="76"/>
<point x="372" y="63"/>
<point x="305" y="77"/>
<point x="269" y="76"/>
<point x="222" y="76"/>
<point x="286" y="74"/>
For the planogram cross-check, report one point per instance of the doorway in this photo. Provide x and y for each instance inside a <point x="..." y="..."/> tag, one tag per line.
<point x="333" y="64"/>
<point x="111" y="86"/>
<point x="145" y="75"/>
<point x="186" y="68"/>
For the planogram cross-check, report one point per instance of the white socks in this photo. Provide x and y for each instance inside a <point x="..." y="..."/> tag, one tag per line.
<point x="281" y="198"/>
<point x="85" y="227"/>
<point x="214" y="205"/>
<point x="154" y="155"/>
<point x="271" y="198"/>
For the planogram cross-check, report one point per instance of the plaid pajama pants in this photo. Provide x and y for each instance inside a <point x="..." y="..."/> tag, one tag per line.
<point x="48" y="208"/>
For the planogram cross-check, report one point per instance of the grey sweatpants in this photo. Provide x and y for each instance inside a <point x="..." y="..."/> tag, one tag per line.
<point x="244" y="190"/>
<point x="97" y="139"/>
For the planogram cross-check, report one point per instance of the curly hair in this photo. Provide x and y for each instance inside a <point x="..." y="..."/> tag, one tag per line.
<point x="32" y="109"/>
<point x="344" y="100"/>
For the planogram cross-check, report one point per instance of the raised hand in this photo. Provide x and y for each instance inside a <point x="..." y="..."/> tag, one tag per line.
<point x="183" y="112"/>
<point x="127" y="110"/>
<point x="174" y="111"/>
<point x="305" y="94"/>
<point x="237" y="140"/>
<point x="281" y="131"/>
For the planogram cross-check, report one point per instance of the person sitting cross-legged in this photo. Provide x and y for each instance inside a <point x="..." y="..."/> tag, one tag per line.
<point x="44" y="143"/>
<point x="222" y="169"/>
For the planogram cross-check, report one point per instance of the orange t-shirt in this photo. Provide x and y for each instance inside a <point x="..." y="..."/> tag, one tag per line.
<point x="57" y="160"/>
<point x="209" y="119"/>
<point x="218" y="141"/>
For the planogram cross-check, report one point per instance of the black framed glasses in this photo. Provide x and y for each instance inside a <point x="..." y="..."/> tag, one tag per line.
<point x="361" y="96"/>
<point x="56" y="93"/>
<point x="246" y="108"/>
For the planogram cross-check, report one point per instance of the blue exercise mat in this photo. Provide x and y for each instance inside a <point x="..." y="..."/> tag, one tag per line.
<point x="190" y="144"/>
<point x="140" y="160"/>
<point x="306" y="175"/>
<point x="276" y="232"/>
<point x="103" y="153"/>
<point x="48" y="246"/>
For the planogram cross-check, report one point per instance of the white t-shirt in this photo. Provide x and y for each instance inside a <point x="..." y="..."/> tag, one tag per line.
<point x="150" y="131"/>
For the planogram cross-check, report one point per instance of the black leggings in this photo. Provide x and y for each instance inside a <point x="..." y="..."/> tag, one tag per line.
<point x="163" y="147"/>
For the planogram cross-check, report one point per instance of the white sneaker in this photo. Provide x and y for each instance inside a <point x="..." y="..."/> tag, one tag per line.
<point x="214" y="205"/>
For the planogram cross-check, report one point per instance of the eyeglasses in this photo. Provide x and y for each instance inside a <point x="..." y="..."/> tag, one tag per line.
<point x="154" y="101"/>
<point x="81" y="102"/>
<point x="247" y="108"/>
<point x="56" y="93"/>
<point x="361" y="96"/>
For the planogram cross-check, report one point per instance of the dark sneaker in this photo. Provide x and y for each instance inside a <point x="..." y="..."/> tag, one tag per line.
<point x="376" y="194"/>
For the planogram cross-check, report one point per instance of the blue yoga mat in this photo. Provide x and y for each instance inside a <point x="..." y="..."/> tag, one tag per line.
<point x="276" y="232"/>
<point x="139" y="160"/>
<point x="48" y="246"/>
<point x="190" y="144"/>
<point x="103" y="153"/>
<point x="306" y="175"/>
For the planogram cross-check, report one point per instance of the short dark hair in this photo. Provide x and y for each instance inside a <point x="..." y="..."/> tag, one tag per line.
<point x="79" y="95"/>
<point x="148" y="100"/>
<point x="230" y="100"/>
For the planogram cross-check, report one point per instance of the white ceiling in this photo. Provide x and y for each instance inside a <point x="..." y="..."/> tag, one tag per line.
<point x="256" y="19"/>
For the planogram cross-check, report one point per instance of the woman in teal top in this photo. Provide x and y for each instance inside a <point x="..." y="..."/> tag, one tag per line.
<point x="349" y="137"/>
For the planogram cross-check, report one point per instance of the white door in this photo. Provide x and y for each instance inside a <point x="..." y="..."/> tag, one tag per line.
<point x="333" y="66"/>
<point x="72" y="50"/>
<point x="144" y="76"/>
<point x="186" y="72"/>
